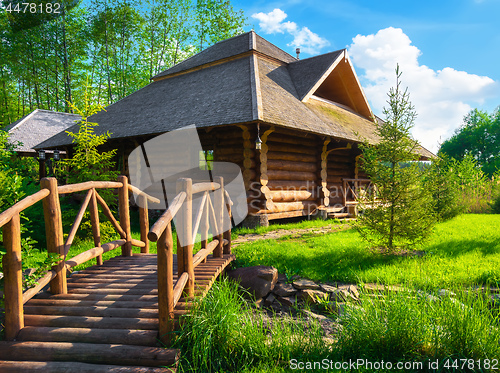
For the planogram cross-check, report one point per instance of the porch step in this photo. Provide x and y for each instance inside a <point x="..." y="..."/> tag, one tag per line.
<point x="72" y="367"/>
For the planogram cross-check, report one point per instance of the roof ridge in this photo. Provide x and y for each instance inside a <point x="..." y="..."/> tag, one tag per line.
<point x="23" y="120"/>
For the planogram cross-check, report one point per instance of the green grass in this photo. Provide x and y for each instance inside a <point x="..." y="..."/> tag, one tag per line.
<point x="224" y="334"/>
<point x="462" y="251"/>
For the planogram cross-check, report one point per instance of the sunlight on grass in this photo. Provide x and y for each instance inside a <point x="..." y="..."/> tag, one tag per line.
<point x="463" y="251"/>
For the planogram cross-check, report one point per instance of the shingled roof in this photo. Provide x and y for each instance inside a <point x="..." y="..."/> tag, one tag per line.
<point x="37" y="127"/>
<point x="240" y="80"/>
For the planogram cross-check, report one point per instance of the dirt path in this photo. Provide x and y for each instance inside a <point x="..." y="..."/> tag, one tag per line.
<point x="293" y="233"/>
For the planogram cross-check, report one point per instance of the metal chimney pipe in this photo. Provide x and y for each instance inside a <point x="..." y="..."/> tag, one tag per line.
<point x="297" y="50"/>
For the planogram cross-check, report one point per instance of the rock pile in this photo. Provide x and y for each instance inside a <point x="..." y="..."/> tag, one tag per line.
<point x="275" y="291"/>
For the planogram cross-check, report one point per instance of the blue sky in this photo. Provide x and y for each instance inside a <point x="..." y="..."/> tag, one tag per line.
<point x="449" y="51"/>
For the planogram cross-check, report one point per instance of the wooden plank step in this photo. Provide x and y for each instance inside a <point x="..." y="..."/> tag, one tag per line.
<point x="115" y="276"/>
<point x="106" y="297"/>
<point x="146" y="291"/>
<point x="92" y="312"/>
<point x="89" y="353"/>
<point x="72" y="367"/>
<point x="112" y="285"/>
<point x="60" y="321"/>
<point x="91" y="303"/>
<point x="87" y="335"/>
<point x="152" y="280"/>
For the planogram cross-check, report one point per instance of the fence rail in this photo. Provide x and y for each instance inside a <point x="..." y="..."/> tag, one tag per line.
<point x="209" y="214"/>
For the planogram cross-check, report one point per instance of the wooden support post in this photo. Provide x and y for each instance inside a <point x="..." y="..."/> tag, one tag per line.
<point x="54" y="233"/>
<point x="13" y="281"/>
<point x="144" y="222"/>
<point x="166" y="285"/>
<point x="219" y="214"/>
<point x="185" y="232"/>
<point x="204" y="225"/>
<point x="123" y="205"/>
<point x="94" y="221"/>
<point x="227" y="234"/>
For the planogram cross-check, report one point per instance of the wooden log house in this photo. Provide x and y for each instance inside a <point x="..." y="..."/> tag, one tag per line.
<point x="292" y="125"/>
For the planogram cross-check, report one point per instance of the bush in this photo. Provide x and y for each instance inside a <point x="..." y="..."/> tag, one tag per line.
<point x="444" y="183"/>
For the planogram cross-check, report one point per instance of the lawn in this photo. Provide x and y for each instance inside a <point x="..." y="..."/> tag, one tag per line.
<point x="462" y="251"/>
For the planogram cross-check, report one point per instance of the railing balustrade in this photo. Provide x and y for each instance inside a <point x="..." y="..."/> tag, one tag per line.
<point x="210" y="214"/>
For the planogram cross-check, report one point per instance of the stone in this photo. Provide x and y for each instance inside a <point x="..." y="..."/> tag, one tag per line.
<point x="341" y="296"/>
<point x="311" y="296"/>
<point x="328" y="288"/>
<point x="258" y="280"/>
<point x="269" y="300"/>
<point x="287" y="301"/>
<point x="306" y="284"/>
<point x="315" y="315"/>
<point x="446" y="293"/>
<point x="353" y="289"/>
<point x="281" y="277"/>
<point x="283" y="289"/>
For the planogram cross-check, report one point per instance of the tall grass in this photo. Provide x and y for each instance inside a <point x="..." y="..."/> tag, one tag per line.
<point x="224" y="334"/>
<point x="417" y="326"/>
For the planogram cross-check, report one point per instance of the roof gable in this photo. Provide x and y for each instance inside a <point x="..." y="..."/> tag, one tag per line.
<point x="330" y="76"/>
<point x="39" y="126"/>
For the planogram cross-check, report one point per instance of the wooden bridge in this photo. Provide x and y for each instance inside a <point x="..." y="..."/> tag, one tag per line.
<point x="119" y="315"/>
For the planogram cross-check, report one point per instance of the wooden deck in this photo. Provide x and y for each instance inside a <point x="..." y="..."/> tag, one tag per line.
<point x="108" y="321"/>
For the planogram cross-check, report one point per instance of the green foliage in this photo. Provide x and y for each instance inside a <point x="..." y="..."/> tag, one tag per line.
<point x="461" y="251"/>
<point x="444" y="182"/>
<point x="118" y="44"/>
<point x="478" y="137"/>
<point x="223" y="334"/>
<point x="87" y="162"/>
<point x="400" y="213"/>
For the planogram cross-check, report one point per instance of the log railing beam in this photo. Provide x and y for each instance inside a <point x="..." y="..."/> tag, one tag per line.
<point x="54" y="233"/>
<point x="123" y="205"/>
<point x="13" y="282"/>
<point x="166" y="285"/>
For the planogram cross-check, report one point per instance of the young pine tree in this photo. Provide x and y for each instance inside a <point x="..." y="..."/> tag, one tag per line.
<point x="402" y="215"/>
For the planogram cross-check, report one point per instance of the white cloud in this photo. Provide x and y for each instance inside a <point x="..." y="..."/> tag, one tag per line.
<point x="305" y="39"/>
<point x="441" y="97"/>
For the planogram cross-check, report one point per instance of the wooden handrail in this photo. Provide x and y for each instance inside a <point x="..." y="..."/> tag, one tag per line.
<point x="160" y="225"/>
<point x="73" y="188"/>
<point x="203" y="253"/>
<point x="179" y="287"/>
<point x="197" y="221"/>
<point x="78" y="220"/>
<point x="106" y="211"/>
<point x="30" y="293"/>
<point x="22" y="205"/>
<point x="92" y="253"/>
<point x="140" y="193"/>
<point x="204" y="187"/>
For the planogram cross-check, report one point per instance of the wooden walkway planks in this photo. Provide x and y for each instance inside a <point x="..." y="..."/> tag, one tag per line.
<point x="108" y="320"/>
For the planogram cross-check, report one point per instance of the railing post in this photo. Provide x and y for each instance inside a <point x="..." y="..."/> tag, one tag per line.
<point x="94" y="220"/>
<point x="123" y="205"/>
<point x="204" y="226"/>
<point x="13" y="282"/>
<point x="219" y="214"/>
<point x="344" y="192"/>
<point x="166" y="285"/>
<point x="227" y="234"/>
<point x="144" y="222"/>
<point x="185" y="230"/>
<point x="54" y="233"/>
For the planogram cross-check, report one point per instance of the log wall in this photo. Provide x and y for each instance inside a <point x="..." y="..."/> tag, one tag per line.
<point x="293" y="174"/>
